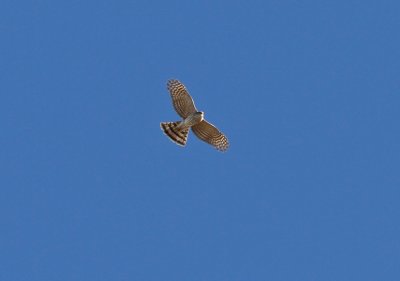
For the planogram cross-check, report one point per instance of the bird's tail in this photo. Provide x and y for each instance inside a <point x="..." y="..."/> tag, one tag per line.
<point x="177" y="135"/>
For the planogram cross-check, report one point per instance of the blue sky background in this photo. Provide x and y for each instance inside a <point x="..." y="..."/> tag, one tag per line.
<point x="306" y="91"/>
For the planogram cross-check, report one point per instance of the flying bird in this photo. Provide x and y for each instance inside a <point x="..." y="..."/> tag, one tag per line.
<point x="192" y="118"/>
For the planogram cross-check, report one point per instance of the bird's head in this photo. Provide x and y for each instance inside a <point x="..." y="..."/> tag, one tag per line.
<point x="201" y="114"/>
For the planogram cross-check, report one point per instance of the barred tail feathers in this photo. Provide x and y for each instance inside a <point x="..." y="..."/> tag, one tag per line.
<point x="178" y="136"/>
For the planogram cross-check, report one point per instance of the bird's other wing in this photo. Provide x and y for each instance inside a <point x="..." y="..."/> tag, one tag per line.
<point x="181" y="100"/>
<point x="210" y="134"/>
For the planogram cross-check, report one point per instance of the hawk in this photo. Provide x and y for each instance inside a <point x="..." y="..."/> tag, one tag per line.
<point x="192" y="118"/>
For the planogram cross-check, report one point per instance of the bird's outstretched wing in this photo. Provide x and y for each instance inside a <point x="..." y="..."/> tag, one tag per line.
<point x="181" y="100"/>
<point x="210" y="134"/>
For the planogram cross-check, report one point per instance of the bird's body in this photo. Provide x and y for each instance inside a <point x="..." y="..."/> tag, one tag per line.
<point x="178" y="131"/>
<point x="192" y="119"/>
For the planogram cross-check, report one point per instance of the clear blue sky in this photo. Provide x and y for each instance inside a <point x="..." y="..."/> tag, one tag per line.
<point x="308" y="93"/>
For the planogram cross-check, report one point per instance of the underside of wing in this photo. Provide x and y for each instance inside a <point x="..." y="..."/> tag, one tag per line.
<point x="210" y="134"/>
<point x="181" y="100"/>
